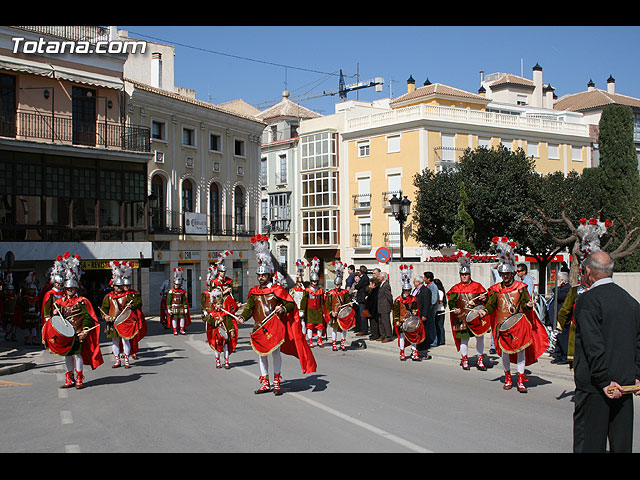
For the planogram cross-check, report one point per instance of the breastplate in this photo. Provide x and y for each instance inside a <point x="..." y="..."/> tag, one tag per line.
<point x="264" y="305"/>
<point x="336" y="302"/>
<point x="508" y="304"/>
<point x="297" y="296"/>
<point x="177" y="303"/>
<point x="73" y="314"/>
<point x="461" y="303"/>
<point x="116" y="305"/>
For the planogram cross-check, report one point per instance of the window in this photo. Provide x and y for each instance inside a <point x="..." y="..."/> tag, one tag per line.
<point x="84" y="116"/>
<point x="188" y="137"/>
<point x="320" y="227"/>
<point x="238" y="205"/>
<point x="214" y="209"/>
<point x="448" y="147"/>
<point x="532" y="148"/>
<point x="363" y="149"/>
<point x="576" y="154"/>
<point x="279" y="208"/>
<point x="554" y="151"/>
<point x="187" y="196"/>
<point x="158" y="130"/>
<point x="521" y="99"/>
<point x="263" y="171"/>
<point x="283" y="169"/>
<point x="319" y="189"/>
<point x="215" y="142"/>
<point x="7" y="105"/>
<point x="319" y="151"/>
<point x="239" y="148"/>
<point x="365" y="234"/>
<point x="484" y="142"/>
<point x="393" y="144"/>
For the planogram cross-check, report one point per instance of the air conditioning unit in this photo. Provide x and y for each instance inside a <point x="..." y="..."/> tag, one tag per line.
<point x="158" y="156"/>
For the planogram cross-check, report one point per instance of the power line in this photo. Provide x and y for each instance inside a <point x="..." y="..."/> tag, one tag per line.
<point x="239" y="57"/>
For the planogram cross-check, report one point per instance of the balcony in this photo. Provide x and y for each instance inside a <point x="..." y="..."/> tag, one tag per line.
<point x="61" y="129"/>
<point x="362" y="201"/>
<point x="362" y="240"/>
<point x="171" y="222"/>
<point x="391" y="239"/>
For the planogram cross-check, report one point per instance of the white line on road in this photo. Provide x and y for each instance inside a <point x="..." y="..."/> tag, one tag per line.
<point x="65" y="417"/>
<point x="72" y="448"/>
<point x="355" y="421"/>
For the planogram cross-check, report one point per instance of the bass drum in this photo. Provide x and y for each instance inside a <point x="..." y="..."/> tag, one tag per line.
<point x="477" y="324"/>
<point x="126" y="324"/>
<point x="347" y="318"/>
<point x="410" y="324"/>
<point x="268" y="336"/>
<point x="515" y="333"/>
<point x="59" y="335"/>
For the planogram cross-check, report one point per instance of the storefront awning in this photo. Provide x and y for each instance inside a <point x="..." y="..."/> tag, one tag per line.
<point x="36" y="251"/>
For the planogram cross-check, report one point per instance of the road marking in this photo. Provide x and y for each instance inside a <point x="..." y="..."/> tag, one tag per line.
<point x="72" y="448"/>
<point x="355" y="421"/>
<point x="65" y="417"/>
<point x="13" y="383"/>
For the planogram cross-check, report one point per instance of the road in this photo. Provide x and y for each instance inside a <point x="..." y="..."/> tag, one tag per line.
<point x="173" y="399"/>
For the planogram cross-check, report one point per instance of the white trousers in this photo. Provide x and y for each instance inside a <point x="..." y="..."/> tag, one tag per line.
<point x="506" y="361"/>
<point x="264" y="363"/>
<point x="174" y="323"/>
<point x="115" y="346"/>
<point x="402" y="342"/>
<point x="225" y="349"/>
<point x="72" y="361"/>
<point x="334" y="334"/>
<point x="464" y="346"/>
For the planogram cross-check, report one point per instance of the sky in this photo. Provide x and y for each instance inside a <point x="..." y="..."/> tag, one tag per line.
<point x="256" y="63"/>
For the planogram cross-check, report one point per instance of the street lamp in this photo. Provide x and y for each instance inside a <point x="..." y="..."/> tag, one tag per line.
<point x="400" y="210"/>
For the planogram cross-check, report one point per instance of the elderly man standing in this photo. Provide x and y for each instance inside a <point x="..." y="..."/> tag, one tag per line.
<point x="385" y="307"/>
<point x="607" y="357"/>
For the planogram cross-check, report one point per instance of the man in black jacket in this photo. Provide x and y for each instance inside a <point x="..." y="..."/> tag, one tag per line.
<point x="423" y="295"/>
<point x="607" y="356"/>
<point x="362" y="323"/>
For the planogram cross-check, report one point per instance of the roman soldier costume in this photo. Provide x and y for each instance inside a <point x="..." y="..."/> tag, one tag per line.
<point x="178" y="311"/>
<point x="406" y="317"/>
<point x="136" y="307"/>
<point x="218" y="311"/>
<point x="297" y="291"/>
<point x="73" y="331"/>
<point x="222" y="280"/>
<point x="312" y="305"/>
<point x="465" y="299"/>
<point x="519" y="335"/>
<point x="29" y="311"/>
<point x="277" y="322"/>
<point x="339" y="314"/>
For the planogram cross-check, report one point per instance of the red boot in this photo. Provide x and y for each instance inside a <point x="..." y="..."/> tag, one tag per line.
<point x="464" y="362"/>
<point x="402" y="357"/>
<point x="508" y="382"/>
<point x="276" y="384"/>
<point x="520" y="386"/>
<point x="265" y="387"/>
<point x="79" y="379"/>
<point x="69" y="381"/>
<point x="480" y="365"/>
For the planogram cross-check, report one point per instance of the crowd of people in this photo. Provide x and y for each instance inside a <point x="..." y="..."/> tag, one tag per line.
<point x="599" y="323"/>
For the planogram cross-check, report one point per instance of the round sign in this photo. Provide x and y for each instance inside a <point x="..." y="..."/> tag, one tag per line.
<point x="383" y="254"/>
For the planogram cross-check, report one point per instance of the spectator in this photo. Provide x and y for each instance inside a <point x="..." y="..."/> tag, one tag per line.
<point x="525" y="278"/>
<point x="555" y="304"/>
<point x="371" y="307"/>
<point x="362" y="321"/>
<point x="607" y="350"/>
<point x="440" y="311"/>
<point x="385" y="307"/>
<point x="431" y="314"/>
<point x="351" y="270"/>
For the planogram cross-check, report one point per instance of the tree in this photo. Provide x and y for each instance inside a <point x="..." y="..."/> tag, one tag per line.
<point x="460" y="236"/>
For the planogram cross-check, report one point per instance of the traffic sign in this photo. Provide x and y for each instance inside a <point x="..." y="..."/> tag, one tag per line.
<point x="383" y="254"/>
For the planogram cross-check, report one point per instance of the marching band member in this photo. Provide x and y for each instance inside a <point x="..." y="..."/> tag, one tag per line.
<point x="312" y="305"/>
<point x="76" y="310"/>
<point x="29" y="311"/>
<point x="404" y="307"/>
<point x="178" y="311"/>
<point x="335" y="300"/>
<point x="277" y="323"/>
<point x="462" y="298"/>
<point x="136" y="307"/>
<point x="518" y="333"/>
<point x="297" y="291"/>
<point x="218" y="310"/>
<point x="221" y="279"/>
<point x="115" y="303"/>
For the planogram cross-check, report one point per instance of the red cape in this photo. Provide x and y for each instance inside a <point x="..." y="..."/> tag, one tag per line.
<point x="539" y="336"/>
<point x="417" y="336"/>
<point x="294" y="341"/>
<point x="187" y="314"/>
<point x="215" y="340"/>
<point x="91" y="354"/>
<point x="471" y="287"/>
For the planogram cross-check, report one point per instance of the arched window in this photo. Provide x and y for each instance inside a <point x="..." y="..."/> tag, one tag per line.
<point x="239" y="205"/>
<point x="187" y="196"/>
<point x="214" y="209"/>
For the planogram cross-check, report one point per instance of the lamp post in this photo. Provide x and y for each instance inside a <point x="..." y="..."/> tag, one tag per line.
<point x="400" y="210"/>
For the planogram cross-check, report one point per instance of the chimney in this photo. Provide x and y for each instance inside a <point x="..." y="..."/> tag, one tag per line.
<point x="548" y="96"/>
<point x="611" y="84"/>
<point x="537" y="86"/>
<point x="591" y="86"/>
<point x="156" y="69"/>
<point x="482" y="91"/>
<point x="411" y="84"/>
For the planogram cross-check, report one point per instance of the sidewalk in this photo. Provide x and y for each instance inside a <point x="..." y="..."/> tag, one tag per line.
<point x="17" y="357"/>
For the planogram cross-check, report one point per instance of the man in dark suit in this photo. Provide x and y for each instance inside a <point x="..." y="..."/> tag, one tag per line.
<point x="423" y="295"/>
<point x="607" y="356"/>
<point x="385" y="306"/>
<point x="362" y="322"/>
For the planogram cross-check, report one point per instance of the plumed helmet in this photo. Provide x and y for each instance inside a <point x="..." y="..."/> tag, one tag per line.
<point x="590" y="232"/>
<point x="178" y="275"/>
<point x="314" y="269"/>
<point x="506" y="255"/>
<point x="72" y="273"/>
<point x="263" y="254"/>
<point x="405" y="276"/>
<point x="464" y="259"/>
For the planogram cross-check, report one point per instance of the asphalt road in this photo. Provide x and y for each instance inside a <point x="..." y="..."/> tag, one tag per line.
<point x="174" y="400"/>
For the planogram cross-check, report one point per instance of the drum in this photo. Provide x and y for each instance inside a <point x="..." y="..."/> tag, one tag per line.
<point x="59" y="335"/>
<point x="346" y="318"/>
<point x="477" y="324"/>
<point x="515" y="333"/>
<point x="410" y="324"/>
<point x="268" y="336"/>
<point x="126" y="324"/>
<point x="223" y="331"/>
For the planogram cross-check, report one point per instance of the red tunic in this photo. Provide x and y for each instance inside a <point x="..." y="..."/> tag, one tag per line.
<point x="474" y="288"/>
